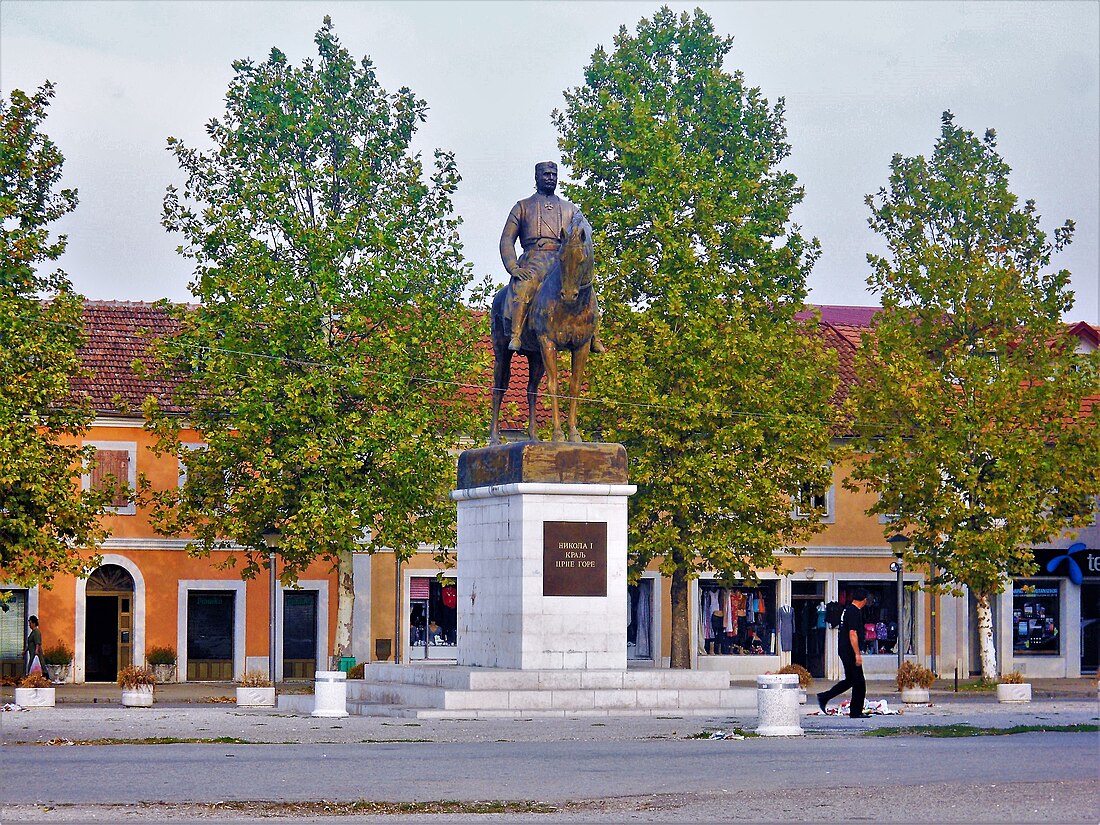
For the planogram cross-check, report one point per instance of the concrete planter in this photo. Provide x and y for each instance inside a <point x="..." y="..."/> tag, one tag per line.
<point x="165" y="673"/>
<point x="777" y="705"/>
<point x="256" y="697"/>
<point x="915" y="696"/>
<point x="1014" y="693"/>
<point x="140" y="696"/>
<point x="35" y="697"/>
<point x="61" y="673"/>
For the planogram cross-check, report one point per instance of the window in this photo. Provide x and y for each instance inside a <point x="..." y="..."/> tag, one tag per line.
<point x="813" y="500"/>
<point x="433" y="617"/>
<point x="115" y="468"/>
<point x="880" y="616"/>
<point x="185" y="449"/>
<point x="737" y="621"/>
<point x="1036" y="606"/>
<point x="639" y="631"/>
<point x="13" y="632"/>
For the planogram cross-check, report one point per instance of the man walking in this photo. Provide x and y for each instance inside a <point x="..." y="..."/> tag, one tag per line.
<point x="851" y="625"/>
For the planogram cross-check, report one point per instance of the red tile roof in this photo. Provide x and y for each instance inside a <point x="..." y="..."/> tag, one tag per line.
<point x="119" y="332"/>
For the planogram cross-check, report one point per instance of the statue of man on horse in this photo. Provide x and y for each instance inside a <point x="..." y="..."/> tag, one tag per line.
<point x="537" y="223"/>
<point x="553" y="277"/>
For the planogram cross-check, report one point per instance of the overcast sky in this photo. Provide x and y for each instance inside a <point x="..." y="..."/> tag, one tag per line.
<point x="862" y="81"/>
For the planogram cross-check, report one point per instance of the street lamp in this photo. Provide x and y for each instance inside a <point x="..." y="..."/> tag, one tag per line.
<point x="272" y="538"/>
<point x="898" y="543"/>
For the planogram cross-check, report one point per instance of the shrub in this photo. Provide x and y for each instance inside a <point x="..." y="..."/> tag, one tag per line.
<point x="254" y="678"/>
<point x="1013" y="678"/>
<point x="804" y="677"/>
<point x="59" y="654"/>
<point x="912" y="675"/>
<point x="161" y="655"/>
<point x="131" y="677"/>
<point x="35" y="680"/>
<point x="357" y="672"/>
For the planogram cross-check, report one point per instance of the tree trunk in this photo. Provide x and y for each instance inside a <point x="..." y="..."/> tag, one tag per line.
<point x="681" y="621"/>
<point x="345" y="600"/>
<point x="987" y="652"/>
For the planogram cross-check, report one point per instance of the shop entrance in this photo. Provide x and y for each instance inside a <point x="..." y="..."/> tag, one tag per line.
<point x="808" y="638"/>
<point x="210" y="615"/>
<point x="299" y="634"/>
<point x="108" y="623"/>
<point x="1090" y="625"/>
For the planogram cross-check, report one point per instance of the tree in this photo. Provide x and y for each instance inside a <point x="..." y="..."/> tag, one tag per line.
<point x="975" y="432"/>
<point x="44" y="517"/>
<point x="323" y="363"/>
<point x="700" y="273"/>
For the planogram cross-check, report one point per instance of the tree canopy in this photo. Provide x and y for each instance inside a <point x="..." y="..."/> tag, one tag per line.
<point x="720" y="395"/>
<point x="45" y="519"/>
<point x="325" y="359"/>
<point x="976" y="434"/>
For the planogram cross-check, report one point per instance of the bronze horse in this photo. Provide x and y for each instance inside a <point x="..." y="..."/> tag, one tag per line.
<point x="563" y="316"/>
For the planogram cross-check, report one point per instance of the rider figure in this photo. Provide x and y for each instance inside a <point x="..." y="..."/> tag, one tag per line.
<point x="537" y="222"/>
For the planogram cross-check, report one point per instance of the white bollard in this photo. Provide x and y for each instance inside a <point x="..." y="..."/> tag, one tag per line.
<point x="330" y="694"/>
<point x="777" y="705"/>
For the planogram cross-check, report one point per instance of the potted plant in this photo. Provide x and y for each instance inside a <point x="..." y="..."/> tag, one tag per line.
<point x="913" y="683"/>
<point x="163" y="662"/>
<point x="804" y="679"/>
<point x="59" y="662"/>
<point x="254" y="690"/>
<point x="35" y="691"/>
<point x="137" y="685"/>
<point x="1013" y="688"/>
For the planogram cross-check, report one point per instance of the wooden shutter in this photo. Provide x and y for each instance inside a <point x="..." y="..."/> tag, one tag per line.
<point x="112" y="468"/>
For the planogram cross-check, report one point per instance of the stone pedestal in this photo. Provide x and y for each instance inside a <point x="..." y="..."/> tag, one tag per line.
<point x="542" y="556"/>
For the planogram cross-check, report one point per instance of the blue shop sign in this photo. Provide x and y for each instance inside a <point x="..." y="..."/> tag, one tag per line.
<point x="1073" y="562"/>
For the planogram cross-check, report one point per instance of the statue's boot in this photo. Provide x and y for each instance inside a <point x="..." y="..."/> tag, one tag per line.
<point x="597" y="344"/>
<point x="519" y="317"/>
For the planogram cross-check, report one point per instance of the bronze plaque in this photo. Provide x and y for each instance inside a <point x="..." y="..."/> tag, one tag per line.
<point x="574" y="558"/>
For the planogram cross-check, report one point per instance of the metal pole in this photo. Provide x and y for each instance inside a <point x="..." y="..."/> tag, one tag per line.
<point x="901" y="612"/>
<point x="935" y="598"/>
<point x="398" y="592"/>
<point x="271" y="640"/>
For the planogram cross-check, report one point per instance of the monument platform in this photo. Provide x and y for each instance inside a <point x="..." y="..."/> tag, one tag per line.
<point x="553" y="462"/>
<point x="457" y="692"/>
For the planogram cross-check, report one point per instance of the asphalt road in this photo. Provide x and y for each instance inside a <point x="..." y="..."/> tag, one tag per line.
<point x="717" y="778"/>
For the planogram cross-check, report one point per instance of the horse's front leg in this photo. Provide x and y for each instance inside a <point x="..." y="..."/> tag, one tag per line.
<point x="535" y="371"/>
<point x="502" y="375"/>
<point x="580" y="358"/>
<point x="550" y="361"/>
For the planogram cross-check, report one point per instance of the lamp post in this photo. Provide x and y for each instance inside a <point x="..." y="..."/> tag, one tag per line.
<point x="272" y="537"/>
<point x="898" y="543"/>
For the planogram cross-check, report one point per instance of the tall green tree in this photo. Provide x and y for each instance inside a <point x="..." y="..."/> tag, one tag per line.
<point x="45" y="519"/>
<point x="723" y="396"/>
<point x="975" y="435"/>
<point x="323" y="362"/>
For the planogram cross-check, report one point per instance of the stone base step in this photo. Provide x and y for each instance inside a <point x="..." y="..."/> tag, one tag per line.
<point x="456" y="692"/>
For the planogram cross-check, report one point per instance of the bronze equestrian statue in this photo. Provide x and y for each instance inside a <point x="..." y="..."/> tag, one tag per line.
<point x="563" y="313"/>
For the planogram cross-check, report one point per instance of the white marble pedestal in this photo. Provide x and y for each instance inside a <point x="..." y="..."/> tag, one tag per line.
<point x="542" y="557"/>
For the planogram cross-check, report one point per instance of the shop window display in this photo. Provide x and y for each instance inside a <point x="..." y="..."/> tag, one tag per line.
<point x="737" y="621"/>
<point x="1035" y="611"/>
<point x="639" y="630"/>
<point x="880" y="616"/>
<point x="433" y="619"/>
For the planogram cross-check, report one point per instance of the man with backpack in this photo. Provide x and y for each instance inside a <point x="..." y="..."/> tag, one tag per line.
<point x="849" y="648"/>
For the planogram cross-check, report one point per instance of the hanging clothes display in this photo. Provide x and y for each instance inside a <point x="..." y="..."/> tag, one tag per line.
<point x="784" y="623"/>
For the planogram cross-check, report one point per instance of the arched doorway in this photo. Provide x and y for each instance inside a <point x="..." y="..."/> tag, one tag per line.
<point x="108" y="634"/>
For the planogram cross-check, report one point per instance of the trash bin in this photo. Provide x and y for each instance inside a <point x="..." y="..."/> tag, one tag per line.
<point x="330" y="694"/>
<point x="345" y="663"/>
<point x="777" y="705"/>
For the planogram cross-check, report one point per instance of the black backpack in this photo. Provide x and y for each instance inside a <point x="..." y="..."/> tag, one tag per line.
<point x="833" y="613"/>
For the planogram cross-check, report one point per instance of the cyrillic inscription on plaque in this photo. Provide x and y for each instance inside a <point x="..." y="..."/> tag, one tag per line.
<point x="574" y="558"/>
